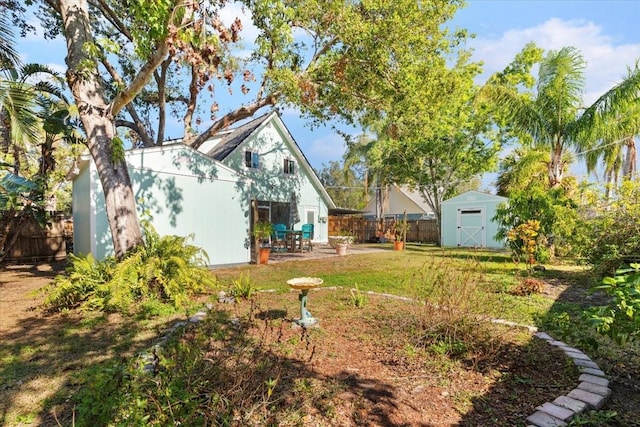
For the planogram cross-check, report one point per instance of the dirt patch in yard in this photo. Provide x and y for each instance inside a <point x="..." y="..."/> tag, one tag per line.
<point x="374" y="370"/>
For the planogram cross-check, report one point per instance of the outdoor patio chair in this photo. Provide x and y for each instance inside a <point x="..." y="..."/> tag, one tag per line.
<point x="279" y="243"/>
<point x="307" y="236"/>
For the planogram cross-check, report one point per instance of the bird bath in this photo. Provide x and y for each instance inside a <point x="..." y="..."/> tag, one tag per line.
<point x="303" y="284"/>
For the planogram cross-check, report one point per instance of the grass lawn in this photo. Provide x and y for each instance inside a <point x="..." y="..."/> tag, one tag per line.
<point x="373" y="361"/>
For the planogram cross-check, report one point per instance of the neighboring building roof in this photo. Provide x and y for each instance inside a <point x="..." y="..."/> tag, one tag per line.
<point x="345" y="211"/>
<point x="415" y="197"/>
<point x="412" y="198"/>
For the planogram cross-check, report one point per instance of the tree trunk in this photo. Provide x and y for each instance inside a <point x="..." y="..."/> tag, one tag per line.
<point x="555" y="166"/>
<point x="99" y="125"/>
<point x="630" y="158"/>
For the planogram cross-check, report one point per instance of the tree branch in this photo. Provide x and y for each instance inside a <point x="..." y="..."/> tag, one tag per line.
<point x="233" y="117"/>
<point x="141" y="79"/>
<point x="108" y="13"/>
<point x="161" y="79"/>
<point x="142" y="130"/>
<point x="191" y="106"/>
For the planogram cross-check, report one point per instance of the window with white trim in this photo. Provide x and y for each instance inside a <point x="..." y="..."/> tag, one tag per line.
<point x="289" y="167"/>
<point x="252" y="159"/>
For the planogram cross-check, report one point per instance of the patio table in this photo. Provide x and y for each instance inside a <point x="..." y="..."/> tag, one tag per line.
<point x="294" y="240"/>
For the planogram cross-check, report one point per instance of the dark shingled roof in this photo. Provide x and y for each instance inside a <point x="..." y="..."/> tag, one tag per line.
<point x="229" y="141"/>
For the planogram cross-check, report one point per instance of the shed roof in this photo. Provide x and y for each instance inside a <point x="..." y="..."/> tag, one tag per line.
<point x="479" y="195"/>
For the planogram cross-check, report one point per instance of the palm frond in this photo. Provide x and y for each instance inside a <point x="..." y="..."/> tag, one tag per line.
<point x="8" y="55"/>
<point x="18" y="100"/>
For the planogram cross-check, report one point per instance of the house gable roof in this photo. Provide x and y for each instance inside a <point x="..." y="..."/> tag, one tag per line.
<point x="84" y="160"/>
<point x="230" y="140"/>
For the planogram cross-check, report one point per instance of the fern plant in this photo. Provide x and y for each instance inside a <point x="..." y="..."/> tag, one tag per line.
<point x="164" y="269"/>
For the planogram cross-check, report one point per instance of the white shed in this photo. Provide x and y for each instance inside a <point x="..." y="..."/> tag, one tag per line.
<point x="467" y="220"/>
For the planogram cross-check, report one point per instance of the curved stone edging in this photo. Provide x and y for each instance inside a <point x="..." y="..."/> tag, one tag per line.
<point x="592" y="391"/>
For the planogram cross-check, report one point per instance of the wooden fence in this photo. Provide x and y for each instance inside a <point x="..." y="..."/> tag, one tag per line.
<point x="363" y="230"/>
<point x="37" y="244"/>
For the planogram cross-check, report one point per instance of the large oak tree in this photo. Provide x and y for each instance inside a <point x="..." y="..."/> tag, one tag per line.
<point x="133" y="63"/>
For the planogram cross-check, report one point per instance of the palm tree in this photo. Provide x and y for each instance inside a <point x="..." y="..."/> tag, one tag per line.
<point x="525" y="168"/>
<point x="553" y="117"/>
<point x="549" y="116"/>
<point x="615" y="123"/>
<point x="18" y="121"/>
<point x="8" y="55"/>
<point x="521" y="168"/>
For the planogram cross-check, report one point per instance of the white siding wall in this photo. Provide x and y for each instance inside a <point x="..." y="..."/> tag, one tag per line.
<point x="185" y="194"/>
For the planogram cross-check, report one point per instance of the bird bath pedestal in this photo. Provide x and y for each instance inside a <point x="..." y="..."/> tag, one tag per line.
<point x="303" y="284"/>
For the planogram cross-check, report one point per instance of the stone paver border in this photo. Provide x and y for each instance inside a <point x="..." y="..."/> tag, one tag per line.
<point x="591" y="393"/>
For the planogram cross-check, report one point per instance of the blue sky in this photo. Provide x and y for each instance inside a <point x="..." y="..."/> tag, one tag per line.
<point x="605" y="31"/>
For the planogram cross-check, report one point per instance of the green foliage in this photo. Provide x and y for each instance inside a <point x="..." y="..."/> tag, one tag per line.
<point x="262" y="229"/>
<point x="150" y="21"/>
<point x="163" y="269"/>
<point x="117" y="149"/>
<point x="571" y="328"/>
<point x="554" y="209"/>
<point x="523" y="242"/>
<point x="612" y="233"/>
<point x="594" y="419"/>
<point x="358" y="299"/>
<point x="400" y="229"/>
<point x="620" y="319"/>
<point x="344" y="185"/>
<point x="243" y="287"/>
<point x="542" y="254"/>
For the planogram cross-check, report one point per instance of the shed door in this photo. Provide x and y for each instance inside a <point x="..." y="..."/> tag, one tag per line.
<point x="471" y="227"/>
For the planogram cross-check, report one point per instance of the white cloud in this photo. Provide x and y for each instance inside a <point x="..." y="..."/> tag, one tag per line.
<point x="607" y="61"/>
<point x="322" y="150"/>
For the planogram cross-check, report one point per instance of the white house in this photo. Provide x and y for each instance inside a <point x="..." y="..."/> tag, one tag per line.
<point x="207" y="193"/>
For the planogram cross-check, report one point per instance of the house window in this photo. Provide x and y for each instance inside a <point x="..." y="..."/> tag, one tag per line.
<point x="251" y="159"/>
<point x="289" y="167"/>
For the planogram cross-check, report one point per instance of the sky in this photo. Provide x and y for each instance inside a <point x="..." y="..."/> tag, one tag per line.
<point x="605" y="31"/>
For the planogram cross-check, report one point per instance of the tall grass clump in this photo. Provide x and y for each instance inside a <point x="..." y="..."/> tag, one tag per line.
<point x="454" y="315"/>
<point x="163" y="270"/>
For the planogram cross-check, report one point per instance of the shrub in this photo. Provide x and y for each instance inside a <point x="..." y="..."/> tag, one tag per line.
<point x="243" y="287"/>
<point x="453" y="318"/>
<point x="614" y="231"/>
<point x="358" y="299"/>
<point x="164" y="269"/>
<point x="523" y="242"/>
<point x="620" y="319"/>
<point x="553" y="209"/>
